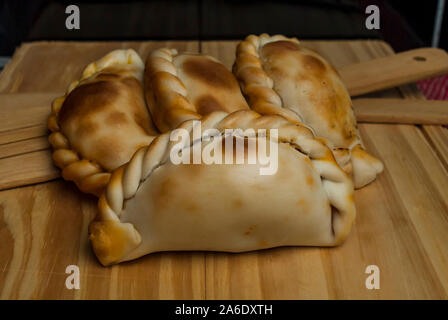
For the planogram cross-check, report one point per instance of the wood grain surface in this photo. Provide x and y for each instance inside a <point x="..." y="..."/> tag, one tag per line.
<point x="402" y="111"/>
<point x="438" y="137"/>
<point x="389" y="72"/>
<point x="24" y="147"/>
<point x="401" y="226"/>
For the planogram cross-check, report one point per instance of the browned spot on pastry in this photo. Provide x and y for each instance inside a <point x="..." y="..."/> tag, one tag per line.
<point x="207" y="104"/>
<point x="309" y="180"/>
<point x="116" y="118"/>
<point x="108" y="239"/>
<point x="351" y="197"/>
<point x="87" y="127"/>
<point x="213" y="73"/>
<point x="163" y="194"/>
<point x="88" y="99"/>
<point x="313" y="64"/>
<point x="165" y="187"/>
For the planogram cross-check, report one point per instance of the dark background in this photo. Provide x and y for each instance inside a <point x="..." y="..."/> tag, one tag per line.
<point x="404" y="24"/>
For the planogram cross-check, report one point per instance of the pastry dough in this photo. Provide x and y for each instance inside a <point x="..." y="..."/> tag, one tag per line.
<point x="279" y="76"/>
<point x="181" y="87"/>
<point x="151" y="204"/>
<point x="101" y="121"/>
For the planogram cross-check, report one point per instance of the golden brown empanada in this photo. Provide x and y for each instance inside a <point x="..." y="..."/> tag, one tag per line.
<point x="151" y="204"/>
<point x="101" y="121"/>
<point x="186" y="86"/>
<point x="279" y="76"/>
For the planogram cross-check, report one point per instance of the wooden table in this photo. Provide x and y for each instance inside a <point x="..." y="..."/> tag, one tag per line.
<point x="401" y="226"/>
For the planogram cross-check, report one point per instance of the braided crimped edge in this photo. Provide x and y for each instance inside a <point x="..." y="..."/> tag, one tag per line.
<point x="126" y="180"/>
<point x="161" y="76"/>
<point x="88" y="175"/>
<point x="257" y="86"/>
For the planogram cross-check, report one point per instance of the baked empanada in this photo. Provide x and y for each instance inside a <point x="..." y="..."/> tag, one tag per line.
<point x="151" y="204"/>
<point x="101" y="121"/>
<point x="279" y="76"/>
<point x="186" y="86"/>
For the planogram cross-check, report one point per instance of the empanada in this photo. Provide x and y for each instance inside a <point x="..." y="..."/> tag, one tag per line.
<point x="279" y="76"/>
<point x="151" y="204"/>
<point x="101" y="121"/>
<point x="186" y="86"/>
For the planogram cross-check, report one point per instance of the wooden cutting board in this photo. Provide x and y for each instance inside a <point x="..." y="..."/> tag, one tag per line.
<point x="401" y="227"/>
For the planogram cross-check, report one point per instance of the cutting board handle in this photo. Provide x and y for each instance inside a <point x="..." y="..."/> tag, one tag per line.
<point x="395" y="70"/>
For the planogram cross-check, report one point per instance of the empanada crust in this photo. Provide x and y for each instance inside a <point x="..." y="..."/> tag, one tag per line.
<point x="279" y="76"/>
<point x="308" y="201"/>
<point x="311" y="87"/>
<point x="151" y="204"/>
<point x="101" y="121"/>
<point x="186" y="86"/>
